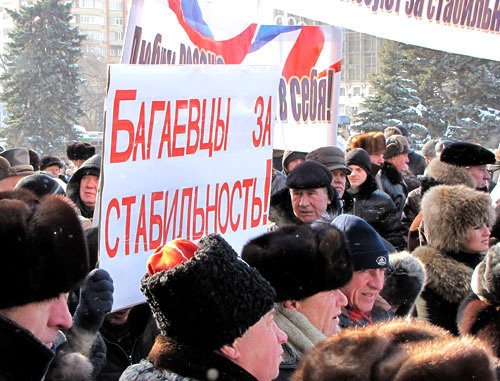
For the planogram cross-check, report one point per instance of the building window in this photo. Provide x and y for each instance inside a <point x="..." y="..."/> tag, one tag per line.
<point x="90" y="19"/>
<point x="115" y="20"/>
<point x="93" y="4"/>
<point x="95" y="35"/>
<point x="115" y="51"/>
<point x="97" y="50"/>
<point x="342" y="91"/>
<point x="115" y="36"/>
<point x="356" y="91"/>
<point x="116" y="5"/>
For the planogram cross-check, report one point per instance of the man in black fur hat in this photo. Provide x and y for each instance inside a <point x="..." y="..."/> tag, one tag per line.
<point x="308" y="196"/>
<point x="44" y="256"/>
<point x="215" y="315"/>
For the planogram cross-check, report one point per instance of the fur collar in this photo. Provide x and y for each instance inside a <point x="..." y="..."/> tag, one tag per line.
<point x="447" y="276"/>
<point x="193" y="363"/>
<point x="450" y="174"/>
<point x="391" y="173"/>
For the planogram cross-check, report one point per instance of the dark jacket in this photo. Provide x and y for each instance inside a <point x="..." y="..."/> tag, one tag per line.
<point x="130" y="344"/>
<point x="23" y="356"/>
<point x="448" y="283"/>
<point x="91" y="166"/>
<point x="391" y="182"/>
<point x="281" y="210"/>
<point x="174" y="361"/>
<point x="378" y="209"/>
<point x="416" y="163"/>
<point x="381" y="311"/>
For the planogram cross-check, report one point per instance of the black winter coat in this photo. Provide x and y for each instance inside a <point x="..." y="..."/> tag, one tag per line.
<point x="142" y="331"/>
<point x="393" y="184"/>
<point x="23" y="356"/>
<point x="378" y="209"/>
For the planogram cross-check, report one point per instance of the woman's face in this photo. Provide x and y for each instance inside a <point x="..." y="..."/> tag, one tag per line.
<point x="478" y="239"/>
<point x="358" y="176"/>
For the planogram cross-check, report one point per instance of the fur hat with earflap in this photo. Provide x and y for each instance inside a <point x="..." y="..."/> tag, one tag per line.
<point x="449" y="211"/>
<point x="44" y="252"/>
<point x="372" y="142"/>
<point x="301" y="261"/>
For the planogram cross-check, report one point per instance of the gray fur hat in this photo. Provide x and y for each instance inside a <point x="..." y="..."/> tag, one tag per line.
<point x="449" y="211"/>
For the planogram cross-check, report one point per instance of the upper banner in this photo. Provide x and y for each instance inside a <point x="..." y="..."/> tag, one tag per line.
<point x="468" y="27"/>
<point x="181" y="32"/>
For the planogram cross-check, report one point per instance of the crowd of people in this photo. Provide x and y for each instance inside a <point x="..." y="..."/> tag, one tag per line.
<point x="379" y="263"/>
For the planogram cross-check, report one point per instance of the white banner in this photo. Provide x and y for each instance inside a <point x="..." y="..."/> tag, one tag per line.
<point x="187" y="152"/>
<point x="186" y="32"/>
<point x="469" y="27"/>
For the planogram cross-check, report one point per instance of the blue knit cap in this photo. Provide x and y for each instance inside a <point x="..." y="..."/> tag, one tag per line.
<point x="364" y="243"/>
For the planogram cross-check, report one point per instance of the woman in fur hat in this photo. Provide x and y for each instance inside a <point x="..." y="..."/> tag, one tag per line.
<point x="306" y="266"/>
<point x="456" y="221"/>
<point x="370" y="203"/>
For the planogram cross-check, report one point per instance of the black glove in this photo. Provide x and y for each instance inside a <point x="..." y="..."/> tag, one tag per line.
<point x="96" y="300"/>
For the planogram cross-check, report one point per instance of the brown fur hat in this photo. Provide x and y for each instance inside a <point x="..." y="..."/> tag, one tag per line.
<point x="372" y="142"/>
<point x="397" y="350"/>
<point x="300" y="261"/>
<point x="449" y="211"/>
<point x="44" y="252"/>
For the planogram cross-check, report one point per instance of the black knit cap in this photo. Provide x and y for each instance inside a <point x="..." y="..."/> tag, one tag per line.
<point x="463" y="154"/>
<point x="41" y="184"/>
<point x="49" y="161"/>
<point x="209" y="300"/>
<point x="44" y="252"/>
<point x="359" y="157"/>
<point x="301" y="261"/>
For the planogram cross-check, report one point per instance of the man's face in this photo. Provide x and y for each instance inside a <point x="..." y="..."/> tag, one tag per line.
<point x="118" y="317"/>
<point x="53" y="170"/>
<point x="323" y="310"/>
<point x="42" y="319"/>
<point x="400" y="162"/>
<point x="339" y="181"/>
<point x="260" y="348"/>
<point x="88" y="190"/>
<point x="309" y="204"/>
<point x="9" y="183"/>
<point x="377" y="159"/>
<point x="291" y="165"/>
<point x="480" y="174"/>
<point x="364" y="288"/>
<point x="358" y="176"/>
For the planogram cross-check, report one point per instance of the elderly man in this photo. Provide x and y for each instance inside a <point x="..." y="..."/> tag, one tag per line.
<point x="370" y="261"/>
<point x="215" y="314"/>
<point x="474" y="158"/>
<point x="82" y="187"/>
<point x="309" y="196"/>
<point x="307" y="266"/>
<point x="390" y="179"/>
<point x="44" y="256"/>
